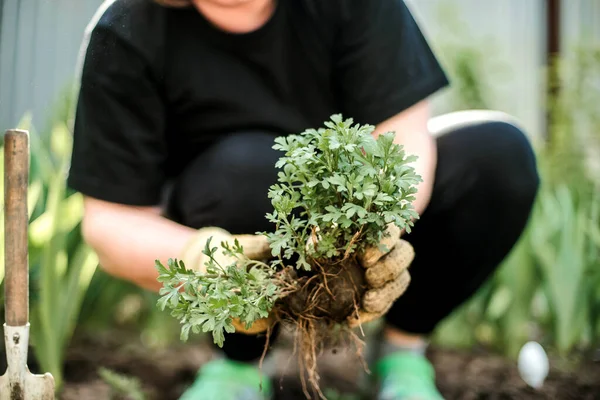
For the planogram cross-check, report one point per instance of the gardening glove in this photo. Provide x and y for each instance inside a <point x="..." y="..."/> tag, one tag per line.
<point x="386" y="274"/>
<point x="256" y="247"/>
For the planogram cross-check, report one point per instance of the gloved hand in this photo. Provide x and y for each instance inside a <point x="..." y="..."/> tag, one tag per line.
<point x="256" y="247"/>
<point x="386" y="274"/>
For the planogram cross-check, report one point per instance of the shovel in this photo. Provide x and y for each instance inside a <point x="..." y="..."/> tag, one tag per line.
<point x="18" y="383"/>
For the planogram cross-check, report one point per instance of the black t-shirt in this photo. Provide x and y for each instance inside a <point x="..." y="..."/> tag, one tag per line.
<point x="158" y="85"/>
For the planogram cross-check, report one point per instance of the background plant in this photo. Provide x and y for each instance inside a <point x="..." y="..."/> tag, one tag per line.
<point x="61" y="264"/>
<point x="547" y="289"/>
<point x="67" y="290"/>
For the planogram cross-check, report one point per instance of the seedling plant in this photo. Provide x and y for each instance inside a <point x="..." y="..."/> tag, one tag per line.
<point x="338" y="188"/>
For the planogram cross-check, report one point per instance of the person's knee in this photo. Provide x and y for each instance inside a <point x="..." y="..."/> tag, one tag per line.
<point x="508" y="160"/>
<point x="246" y="155"/>
<point x="227" y="186"/>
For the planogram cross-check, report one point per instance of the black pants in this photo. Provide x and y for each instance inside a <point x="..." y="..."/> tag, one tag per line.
<point x="485" y="185"/>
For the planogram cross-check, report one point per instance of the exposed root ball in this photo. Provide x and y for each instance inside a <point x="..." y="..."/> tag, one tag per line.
<point x="324" y="298"/>
<point x="333" y="294"/>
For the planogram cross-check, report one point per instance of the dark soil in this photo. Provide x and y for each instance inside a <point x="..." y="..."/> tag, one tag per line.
<point x="165" y="373"/>
<point x="333" y="295"/>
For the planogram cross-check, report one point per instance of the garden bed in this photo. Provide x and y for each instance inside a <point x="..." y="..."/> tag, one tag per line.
<point x="165" y="373"/>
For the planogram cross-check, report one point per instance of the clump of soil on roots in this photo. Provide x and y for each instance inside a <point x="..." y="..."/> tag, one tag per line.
<point x="317" y="309"/>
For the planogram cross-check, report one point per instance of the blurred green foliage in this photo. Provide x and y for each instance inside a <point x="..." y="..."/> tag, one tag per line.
<point x="548" y="289"/>
<point x="67" y="290"/>
<point x="122" y="386"/>
<point x="61" y="265"/>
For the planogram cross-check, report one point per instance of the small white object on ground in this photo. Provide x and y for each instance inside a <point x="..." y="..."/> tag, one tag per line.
<point x="533" y="364"/>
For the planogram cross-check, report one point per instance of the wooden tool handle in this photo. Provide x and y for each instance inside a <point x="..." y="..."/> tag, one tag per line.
<point x="16" y="221"/>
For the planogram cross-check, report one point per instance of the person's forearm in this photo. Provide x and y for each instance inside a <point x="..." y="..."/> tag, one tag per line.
<point x="411" y="132"/>
<point x="128" y="241"/>
<point x="423" y="146"/>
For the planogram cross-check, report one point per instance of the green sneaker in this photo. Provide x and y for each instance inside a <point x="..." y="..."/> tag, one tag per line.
<point x="229" y="380"/>
<point x="406" y="376"/>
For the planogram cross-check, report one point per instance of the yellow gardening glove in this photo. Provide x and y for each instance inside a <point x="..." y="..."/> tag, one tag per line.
<point x="256" y="247"/>
<point x="386" y="275"/>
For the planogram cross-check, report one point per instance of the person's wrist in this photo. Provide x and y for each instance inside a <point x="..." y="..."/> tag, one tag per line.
<point x="258" y="326"/>
<point x="192" y="253"/>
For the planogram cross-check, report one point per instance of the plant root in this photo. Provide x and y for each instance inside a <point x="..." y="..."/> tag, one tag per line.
<point x="316" y="305"/>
